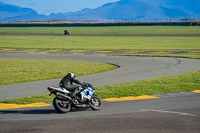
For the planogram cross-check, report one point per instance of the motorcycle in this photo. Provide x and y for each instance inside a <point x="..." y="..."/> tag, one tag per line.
<point x="65" y="101"/>
<point x="66" y="32"/>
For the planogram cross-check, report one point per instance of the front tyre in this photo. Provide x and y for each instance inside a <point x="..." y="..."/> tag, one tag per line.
<point x="61" y="106"/>
<point x="95" y="103"/>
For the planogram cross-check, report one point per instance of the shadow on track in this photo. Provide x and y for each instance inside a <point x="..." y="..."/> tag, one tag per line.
<point x="38" y="111"/>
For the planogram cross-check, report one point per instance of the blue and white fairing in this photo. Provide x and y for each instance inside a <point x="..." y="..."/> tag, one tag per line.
<point x="87" y="93"/>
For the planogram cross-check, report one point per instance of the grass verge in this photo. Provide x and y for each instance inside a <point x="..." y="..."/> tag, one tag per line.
<point x="24" y="70"/>
<point x="104" y="30"/>
<point x="177" y="83"/>
<point x="100" y="43"/>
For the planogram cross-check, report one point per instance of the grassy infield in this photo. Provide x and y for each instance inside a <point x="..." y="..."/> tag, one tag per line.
<point x="101" y="43"/>
<point x="178" y="83"/>
<point x="104" y="30"/>
<point x="24" y="70"/>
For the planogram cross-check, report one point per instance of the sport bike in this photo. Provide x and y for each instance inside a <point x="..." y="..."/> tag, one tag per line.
<point x="66" y="32"/>
<point x="65" y="101"/>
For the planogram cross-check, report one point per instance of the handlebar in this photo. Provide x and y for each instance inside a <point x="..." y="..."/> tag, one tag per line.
<point x="85" y="85"/>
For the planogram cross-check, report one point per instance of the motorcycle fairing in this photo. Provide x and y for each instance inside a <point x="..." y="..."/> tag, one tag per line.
<point x="88" y="92"/>
<point x="59" y="89"/>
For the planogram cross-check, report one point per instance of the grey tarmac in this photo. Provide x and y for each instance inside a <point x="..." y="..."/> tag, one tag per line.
<point x="166" y="115"/>
<point x="170" y="114"/>
<point x="130" y="69"/>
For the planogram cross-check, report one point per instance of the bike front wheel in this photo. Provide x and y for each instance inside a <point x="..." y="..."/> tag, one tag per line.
<point x="95" y="103"/>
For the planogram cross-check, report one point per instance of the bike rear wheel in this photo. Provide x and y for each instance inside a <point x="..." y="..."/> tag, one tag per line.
<point x="61" y="106"/>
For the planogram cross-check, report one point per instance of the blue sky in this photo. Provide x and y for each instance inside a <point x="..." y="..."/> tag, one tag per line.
<point x="54" y="6"/>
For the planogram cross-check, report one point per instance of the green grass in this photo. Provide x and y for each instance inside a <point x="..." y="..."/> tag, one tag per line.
<point x="30" y="99"/>
<point x="104" y="30"/>
<point x="185" y="82"/>
<point x="24" y="70"/>
<point x="100" y="43"/>
<point x="177" y="83"/>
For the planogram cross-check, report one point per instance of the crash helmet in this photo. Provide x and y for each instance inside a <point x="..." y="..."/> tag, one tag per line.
<point x="71" y="74"/>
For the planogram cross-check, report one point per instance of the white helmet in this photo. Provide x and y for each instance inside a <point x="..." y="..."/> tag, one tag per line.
<point x="72" y="75"/>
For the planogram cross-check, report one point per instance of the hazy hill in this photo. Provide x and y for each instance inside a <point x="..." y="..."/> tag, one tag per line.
<point x="122" y="10"/>
<point x="7" y="10"/>
<point x="16" y="13"/>
<point x="138" y="10"/>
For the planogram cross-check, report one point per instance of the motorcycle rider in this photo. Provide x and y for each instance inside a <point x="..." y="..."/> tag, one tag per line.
<point x="66" y="32"/>
<point x="67" y="83"/>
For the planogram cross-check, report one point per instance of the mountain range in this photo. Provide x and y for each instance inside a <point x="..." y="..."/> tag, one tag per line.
<point x="137" y="10"/>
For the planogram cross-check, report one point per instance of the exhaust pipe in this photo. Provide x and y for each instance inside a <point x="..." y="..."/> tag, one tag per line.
<point x="58" y="93"/>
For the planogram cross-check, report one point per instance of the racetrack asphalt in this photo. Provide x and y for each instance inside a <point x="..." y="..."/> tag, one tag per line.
<point x="167" y="115"/>
<point x="173" y="113"/>
<point x="170" y="114"/>
<point x="130" y="69"/>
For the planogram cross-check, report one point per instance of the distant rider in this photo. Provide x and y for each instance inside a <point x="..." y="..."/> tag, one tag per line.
<point x="66" y="32"/>
<point x="67" y="83"/>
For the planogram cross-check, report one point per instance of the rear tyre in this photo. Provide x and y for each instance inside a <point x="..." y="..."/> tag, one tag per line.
<point x="95" y="103"/>
<point x="61" y="106"/>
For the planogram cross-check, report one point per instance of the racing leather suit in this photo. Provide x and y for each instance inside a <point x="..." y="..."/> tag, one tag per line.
<point x="67" y="83"/>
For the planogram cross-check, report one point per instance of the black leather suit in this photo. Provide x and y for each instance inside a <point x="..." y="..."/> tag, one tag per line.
<point x="67" y="83"/>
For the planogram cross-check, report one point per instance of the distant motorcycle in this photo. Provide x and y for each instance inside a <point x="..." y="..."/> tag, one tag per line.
<point x="64" y="101"/>
<point x="66" y="32"/>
